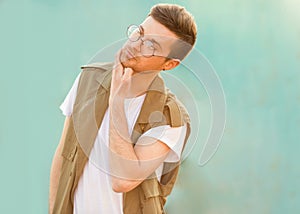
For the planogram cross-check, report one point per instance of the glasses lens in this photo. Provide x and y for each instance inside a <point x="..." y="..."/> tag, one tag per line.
<point x="147" y="48"/>
<point x="133" y="33"/>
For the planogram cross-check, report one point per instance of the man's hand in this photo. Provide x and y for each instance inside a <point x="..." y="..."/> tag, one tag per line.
<point x="120" y="82"/>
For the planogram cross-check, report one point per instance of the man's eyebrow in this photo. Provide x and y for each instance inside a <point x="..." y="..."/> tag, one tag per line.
<point x="155" y="42"/>
<point x="152" y="40"/>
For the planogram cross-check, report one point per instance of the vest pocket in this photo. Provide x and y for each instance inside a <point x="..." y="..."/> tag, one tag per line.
<point x="153" y="205"/>
<point x="64" y="200"/>
<point x="69" y="152"/>
<point x="152" y="201"/>
<point x="150" y="187"/>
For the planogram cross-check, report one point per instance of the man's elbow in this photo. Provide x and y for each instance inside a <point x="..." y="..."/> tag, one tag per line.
<point x="121" y="186"/>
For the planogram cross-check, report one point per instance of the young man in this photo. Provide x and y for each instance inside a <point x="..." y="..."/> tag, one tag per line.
<point x="124" y="131"/>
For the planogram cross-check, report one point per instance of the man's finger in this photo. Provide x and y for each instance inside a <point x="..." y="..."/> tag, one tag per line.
<point x="118" y="69"/>
<point x="127" y="73"/>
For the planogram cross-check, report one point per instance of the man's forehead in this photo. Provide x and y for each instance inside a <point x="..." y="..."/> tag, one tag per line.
<point x="153" y="27"/>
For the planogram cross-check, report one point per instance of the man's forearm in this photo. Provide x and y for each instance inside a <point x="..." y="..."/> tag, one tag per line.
<point x="124" y="163"/>
<point x="120" y="143"/>
<point x="130" y="165"/>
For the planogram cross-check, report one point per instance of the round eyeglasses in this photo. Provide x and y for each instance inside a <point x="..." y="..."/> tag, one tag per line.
<point x="135" y="33"/>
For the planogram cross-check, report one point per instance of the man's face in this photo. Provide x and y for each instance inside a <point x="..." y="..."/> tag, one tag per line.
<point x="131" y="54"/>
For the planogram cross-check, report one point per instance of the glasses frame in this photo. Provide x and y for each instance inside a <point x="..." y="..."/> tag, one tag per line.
<point x="140" y="37"/>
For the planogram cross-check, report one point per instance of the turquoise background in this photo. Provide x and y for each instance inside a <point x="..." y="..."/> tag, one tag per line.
<point x="254" y="47"/>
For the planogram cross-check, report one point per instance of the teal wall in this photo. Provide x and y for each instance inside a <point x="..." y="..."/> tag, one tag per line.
<point x="254" y="47"/>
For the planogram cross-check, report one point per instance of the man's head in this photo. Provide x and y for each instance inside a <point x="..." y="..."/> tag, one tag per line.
<point x="161" y="41"/>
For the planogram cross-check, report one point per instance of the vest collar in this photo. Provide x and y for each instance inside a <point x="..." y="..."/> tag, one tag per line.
<point x="154" y="101"/>
<point x="102" y="78"/>
<point x="155" y="96"/>
<point x="105" y="79"/>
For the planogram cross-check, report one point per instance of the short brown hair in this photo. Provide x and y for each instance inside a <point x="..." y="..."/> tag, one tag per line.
<point x="178" y="20"/>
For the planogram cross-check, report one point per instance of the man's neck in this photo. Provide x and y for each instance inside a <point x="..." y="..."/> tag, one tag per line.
<point x="141" y="81"/>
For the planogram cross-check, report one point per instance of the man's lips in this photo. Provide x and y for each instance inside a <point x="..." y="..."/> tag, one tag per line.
<point x="129" y="53"/>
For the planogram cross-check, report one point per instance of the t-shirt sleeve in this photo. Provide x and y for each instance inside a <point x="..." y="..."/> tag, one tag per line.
<point x="67" y="106"/>
<point x="173" y="137"/>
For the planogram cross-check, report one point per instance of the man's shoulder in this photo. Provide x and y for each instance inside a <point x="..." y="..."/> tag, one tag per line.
<point x="172" y="99"/>
<point x="97" y="70"/>
<point x="98" y="66"/>
<point x="177" y="111"/>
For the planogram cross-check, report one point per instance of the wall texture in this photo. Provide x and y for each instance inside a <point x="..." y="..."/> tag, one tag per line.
<point x="254" y="47"/>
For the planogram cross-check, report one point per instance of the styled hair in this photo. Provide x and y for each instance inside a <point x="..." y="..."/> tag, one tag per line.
<point x="179" y="21"/>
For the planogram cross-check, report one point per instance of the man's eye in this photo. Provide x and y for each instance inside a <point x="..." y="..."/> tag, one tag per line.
<point x="135" y="35"/>
<point x="149" y="44"/>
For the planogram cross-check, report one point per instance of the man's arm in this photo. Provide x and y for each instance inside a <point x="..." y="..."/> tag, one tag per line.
<point x="56" y="166"/>
<point x="131" y="165"/>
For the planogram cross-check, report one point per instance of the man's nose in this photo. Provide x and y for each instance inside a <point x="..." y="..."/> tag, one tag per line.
<point x="135" y="46"/>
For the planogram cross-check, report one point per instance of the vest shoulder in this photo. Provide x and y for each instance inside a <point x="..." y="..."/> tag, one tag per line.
<point x="98" y="66"/>
<point x="96" y="71"/>
<point x="177" y="111"/>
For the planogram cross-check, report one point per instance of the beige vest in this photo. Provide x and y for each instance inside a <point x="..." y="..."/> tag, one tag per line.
<point x="90" y="105"/>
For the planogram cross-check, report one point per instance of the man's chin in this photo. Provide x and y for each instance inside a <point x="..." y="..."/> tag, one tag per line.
<point x="127" y="63"/>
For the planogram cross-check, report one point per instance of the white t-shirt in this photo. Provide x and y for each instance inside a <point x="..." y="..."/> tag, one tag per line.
<point x="94" y="193"/>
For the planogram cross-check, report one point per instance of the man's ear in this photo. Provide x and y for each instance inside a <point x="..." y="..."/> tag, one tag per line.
<point x="171" y="63"/>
